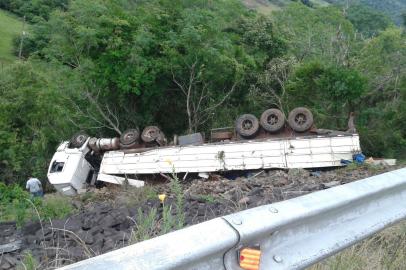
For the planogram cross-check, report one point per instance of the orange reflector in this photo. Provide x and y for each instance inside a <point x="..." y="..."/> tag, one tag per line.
<point x="249" y="258"/>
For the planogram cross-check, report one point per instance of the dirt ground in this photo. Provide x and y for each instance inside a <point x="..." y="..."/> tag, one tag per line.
<point x="115" y="216"/>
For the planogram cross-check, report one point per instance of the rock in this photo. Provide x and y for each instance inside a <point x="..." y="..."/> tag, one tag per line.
<point x="30" y="239"/>
<point x="311" y="187"/>
<point x="11" y="260"/>
<point x="331" y="184"/>
<point x="70" y="224"/>
<point x="31" y="227"/>
<point x="255" y="191"/>
<point x="279" y="182"/>
<point x="201" y="210"/>
<point x="98" y="244"/>
<point x="121" y="236"/>
<point x="108" y="245"/>
<point x="85" y="236"/>
<point x="5" y="265"/>
<point x="77" y="253"/>
<point x="109" y="232"/>
<point x="244" y="200"/>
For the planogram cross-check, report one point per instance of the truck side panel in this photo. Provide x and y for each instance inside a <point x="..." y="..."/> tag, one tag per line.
<point x="306" y="152"/>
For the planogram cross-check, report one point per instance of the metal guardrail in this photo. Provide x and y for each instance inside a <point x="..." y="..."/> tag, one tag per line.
<point x="292" y="234"/>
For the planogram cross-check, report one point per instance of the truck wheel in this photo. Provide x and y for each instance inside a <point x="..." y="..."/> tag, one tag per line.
<point x="300" y="119"/>
<point x="247" y="125"/>
<point x="129" y="138"/>
<point x="272" y="120"/>
<point x="78" y="139"/>
<point x="150" y="134"/>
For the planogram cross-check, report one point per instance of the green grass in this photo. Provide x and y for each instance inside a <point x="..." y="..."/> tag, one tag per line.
<point x="17" y="205"/>
<point x="268" y="6"/>
<point x="10" y="26"/>
<point x="383" y="251"/>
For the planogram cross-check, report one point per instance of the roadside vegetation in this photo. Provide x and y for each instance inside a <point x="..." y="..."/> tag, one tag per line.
<point x="18" y="205"/>
<point x="11" y="26"/>
<point x="385" y="250"/>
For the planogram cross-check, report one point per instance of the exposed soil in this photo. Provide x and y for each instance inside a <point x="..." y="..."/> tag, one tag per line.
<point x="107" y="218"/>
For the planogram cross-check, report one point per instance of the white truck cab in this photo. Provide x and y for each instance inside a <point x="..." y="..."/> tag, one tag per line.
<point x="69" y="170"/>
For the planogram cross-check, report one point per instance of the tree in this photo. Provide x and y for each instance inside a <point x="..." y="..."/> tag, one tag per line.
<point x="32" y="121"/>
<point x="367" y="20"/>
<point x="322" y="33"/>
<point x="383" y="61"/>
<point x="270" y="88"/>
<point x="34" y="9"/>
<point x="331" y="92"/>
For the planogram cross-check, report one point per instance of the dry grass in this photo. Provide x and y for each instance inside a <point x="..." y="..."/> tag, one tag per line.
<point x="385" y="250"/>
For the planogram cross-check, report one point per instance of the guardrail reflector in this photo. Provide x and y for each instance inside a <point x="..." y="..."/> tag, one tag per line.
<point x="249" y="258"/>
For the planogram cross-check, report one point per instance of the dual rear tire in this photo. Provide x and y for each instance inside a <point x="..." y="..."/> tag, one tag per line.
<point x="273" y="120"/>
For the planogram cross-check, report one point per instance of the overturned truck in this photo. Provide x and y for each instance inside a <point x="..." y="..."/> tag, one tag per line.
<point x="269" y="142"/>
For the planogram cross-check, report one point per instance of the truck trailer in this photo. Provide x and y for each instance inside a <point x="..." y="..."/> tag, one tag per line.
<point x="269" y="143"/>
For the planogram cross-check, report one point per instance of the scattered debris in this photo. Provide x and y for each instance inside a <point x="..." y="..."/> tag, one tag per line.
<point x="106" y="221"/>
<point x="331" y="184"/>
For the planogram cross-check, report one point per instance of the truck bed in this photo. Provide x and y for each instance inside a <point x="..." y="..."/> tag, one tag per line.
<point x="298" y="152"/>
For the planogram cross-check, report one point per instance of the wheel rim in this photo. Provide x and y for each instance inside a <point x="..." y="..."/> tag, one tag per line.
<point x="129" y="136"/>
<point x="80" y="139"/>
<point x="151" y="133"/>
<point x="300" y="119"/>
<point x="247" y="125"/>
<point x="272" y="119"/>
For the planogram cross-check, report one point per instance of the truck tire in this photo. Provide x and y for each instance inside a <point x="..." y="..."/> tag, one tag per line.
<point x="300" y="119"/>
<point x="272" y="120"/>
<point x="247" y="125"/>
<point x="129" y="138"/>
<point x="78" y="139"/>
<point x="150" y="134"/>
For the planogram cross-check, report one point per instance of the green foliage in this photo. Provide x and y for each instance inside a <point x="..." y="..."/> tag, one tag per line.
<point x="391" y="8"/>
<point x="18" y="205"/>
<point x="145" y="226"/>
<point x="55" y="206"/>
<point x="138" y="55"/>
<point x="367" y="20"/>
<point x="33" y="118"/>
<point x="11" y="27"/>
<point x="208" y="198"/>
<point x="28" y="262"/>
<point x="383" y="61"/>
<point x="322" y="33"/>
<point x="331" y="91"/>
<point x="176" y="189"/>
<point x="33" y="9"/>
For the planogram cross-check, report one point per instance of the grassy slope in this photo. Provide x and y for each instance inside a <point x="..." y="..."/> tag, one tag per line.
<point x="267" y="6"/>
<point x="393" y="8"/>
<point x="9" y="27"/>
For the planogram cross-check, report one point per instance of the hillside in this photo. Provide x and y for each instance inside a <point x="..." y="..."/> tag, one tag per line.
<point x="392" y="8"/>
<point x="266" y="6"/>
<point x="9" y="27"/>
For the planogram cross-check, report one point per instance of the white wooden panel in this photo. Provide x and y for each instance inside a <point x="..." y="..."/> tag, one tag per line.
<point x="307" y="152"/>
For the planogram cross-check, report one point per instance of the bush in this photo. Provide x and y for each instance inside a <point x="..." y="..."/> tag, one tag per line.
<point x="17" y="205"/>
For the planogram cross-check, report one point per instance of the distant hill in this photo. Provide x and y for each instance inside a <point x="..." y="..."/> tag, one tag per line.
<point x="10" y="26"/>
<point x="266" y="6"/>
<point x="393" y="8"/>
